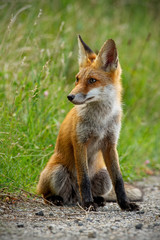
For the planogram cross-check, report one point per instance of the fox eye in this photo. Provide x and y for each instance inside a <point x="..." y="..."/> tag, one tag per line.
<point x="77" y="79"/>
<point x="92" y="80"/>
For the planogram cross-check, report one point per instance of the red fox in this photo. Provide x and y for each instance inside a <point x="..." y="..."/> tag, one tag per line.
<point x="85" y="164"/>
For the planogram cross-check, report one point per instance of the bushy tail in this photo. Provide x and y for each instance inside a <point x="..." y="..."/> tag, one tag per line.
<point x="133" y="193"/>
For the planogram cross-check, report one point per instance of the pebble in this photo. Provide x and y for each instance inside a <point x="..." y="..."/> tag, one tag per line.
<point x="20" y="225"/>
<point x="156" y="224"/>
<point x="105" y="208"/>
<point x="1" y="211"/>
<point x="50" y="227"/>
<point x="35" y="226"/>
<point x="40" y="213"/>
<point x="89" y="220"/>
<point x="92" y="235"/>
<point x="51" y="214"/>
<point x="139" y="226"/>
<point x="114" y="227"/>
<point x="80" y="224"/>
<point x="140" y="212"/>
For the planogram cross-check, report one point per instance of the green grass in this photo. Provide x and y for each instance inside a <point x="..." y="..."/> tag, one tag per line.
<point x="38" y="53"/>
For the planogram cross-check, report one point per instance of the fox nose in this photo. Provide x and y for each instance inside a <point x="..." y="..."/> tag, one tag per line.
<point x="71" y="97"/>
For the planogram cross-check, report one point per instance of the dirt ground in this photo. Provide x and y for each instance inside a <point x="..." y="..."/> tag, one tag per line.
<point x="27" y="219"/>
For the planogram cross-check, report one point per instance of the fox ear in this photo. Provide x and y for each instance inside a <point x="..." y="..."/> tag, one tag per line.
<point x="86" y="55"/>
<point x="107" y="58"/>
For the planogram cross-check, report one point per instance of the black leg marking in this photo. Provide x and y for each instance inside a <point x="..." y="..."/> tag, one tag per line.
<point x="122" y="199"/>
<point x="99" y="201"/>
<point x="87" y="199"/>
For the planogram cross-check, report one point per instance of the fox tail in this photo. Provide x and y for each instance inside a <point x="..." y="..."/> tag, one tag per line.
<point x="133" y="193"/>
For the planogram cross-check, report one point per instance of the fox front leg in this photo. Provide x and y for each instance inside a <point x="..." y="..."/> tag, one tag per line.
<point x="85" y="192"/>
<point x="80" y="153"/>
<point x="112" y="162"/>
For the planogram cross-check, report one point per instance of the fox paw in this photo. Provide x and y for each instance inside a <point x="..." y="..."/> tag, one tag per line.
<point x="129" y="206"/>
<point x="56" y="200"/>
<point x="99" y="201"/>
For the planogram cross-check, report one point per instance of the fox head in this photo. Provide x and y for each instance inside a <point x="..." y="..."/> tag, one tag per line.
<point x="98" y="74"/>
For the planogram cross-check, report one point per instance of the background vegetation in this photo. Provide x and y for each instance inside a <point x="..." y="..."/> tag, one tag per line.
<point x="38" y="63"/>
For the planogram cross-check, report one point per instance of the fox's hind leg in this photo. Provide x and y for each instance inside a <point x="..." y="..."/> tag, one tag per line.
<point x="99" y="177"/>
<point x="57" y="184"/>
<point x="100" y="185"/>
<point x="64" y="185"/>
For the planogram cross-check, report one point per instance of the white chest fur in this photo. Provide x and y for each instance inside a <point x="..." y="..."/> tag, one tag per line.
<point x="99" y="119"/>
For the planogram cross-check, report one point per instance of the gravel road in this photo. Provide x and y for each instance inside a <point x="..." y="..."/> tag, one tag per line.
<point x="29" y="220"/>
